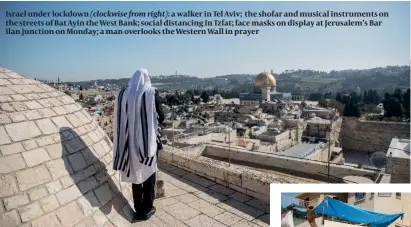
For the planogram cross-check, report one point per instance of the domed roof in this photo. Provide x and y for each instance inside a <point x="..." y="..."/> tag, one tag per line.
<point x="55" y="161"/>
<point x="265" y="79"/>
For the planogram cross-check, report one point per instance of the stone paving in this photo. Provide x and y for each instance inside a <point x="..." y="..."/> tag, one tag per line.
<point x="192" y="200"/>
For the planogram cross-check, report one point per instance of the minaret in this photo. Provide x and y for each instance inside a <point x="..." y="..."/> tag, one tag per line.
<point x="265" y="90"/>
<point x="266" y="93"/>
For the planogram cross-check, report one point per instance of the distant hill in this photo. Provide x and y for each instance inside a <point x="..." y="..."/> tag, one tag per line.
<point x="295" y="81"/>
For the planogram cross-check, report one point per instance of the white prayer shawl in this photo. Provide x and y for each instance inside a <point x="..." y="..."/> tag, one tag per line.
<point x="136" y="130"/>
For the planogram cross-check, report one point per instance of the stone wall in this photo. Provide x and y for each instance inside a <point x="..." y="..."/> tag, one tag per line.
<point x="399" y="169"/>
<point x="307" y="168"/>
<point x="371" y="136"/>
<point x="320" y="155"/>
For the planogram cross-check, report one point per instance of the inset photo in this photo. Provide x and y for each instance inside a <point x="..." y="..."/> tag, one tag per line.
<point x="322" y="209"/>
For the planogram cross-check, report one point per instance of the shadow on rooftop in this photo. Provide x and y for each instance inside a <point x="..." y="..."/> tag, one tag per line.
<point x="257" y="210"/>
<point x="92" y="178"/>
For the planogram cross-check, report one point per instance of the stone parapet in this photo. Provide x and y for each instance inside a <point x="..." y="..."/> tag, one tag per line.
<point x="311" y="168"/>
<point x="240" y="178"/>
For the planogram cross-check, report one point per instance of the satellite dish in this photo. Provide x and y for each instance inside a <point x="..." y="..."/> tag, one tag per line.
<point x="379" y="160"/>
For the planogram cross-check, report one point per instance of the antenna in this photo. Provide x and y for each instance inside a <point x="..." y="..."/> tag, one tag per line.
<point x="379" y="160"/>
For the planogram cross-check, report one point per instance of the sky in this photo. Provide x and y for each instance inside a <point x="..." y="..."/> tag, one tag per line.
<point x="286" y="198"/>
<point x="79" y="57"/>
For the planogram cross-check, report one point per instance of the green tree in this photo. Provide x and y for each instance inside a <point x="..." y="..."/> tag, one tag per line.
<point x="393" y="107"/>
<point x="172" y="100"/>
<point x="189" y="95"/>
<point x="398" y="95"/>
<point x="323" y="103"/>
<point x="373" y="97"/>
<point x="197" y="101"/>
<point x="214" y="91"/>
<point x="351" y="106"/>
<point x="315" y="96"/>
<point x="387" y="95"/>
<point x="396" y="105"/>
<point x="406" y="103"/>
<point x="81" y="88"/>
<point x="338" y="97"/>
<point x="111" y="98"/>
<point x="366" y="98"/>
<point x="345" y="98"/>
<point x="303" y="104"/>
<point x="205" y="97"/>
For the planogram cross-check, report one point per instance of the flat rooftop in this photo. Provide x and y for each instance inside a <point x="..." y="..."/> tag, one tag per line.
<point x="357" y="158"/>
<point x="300" y="149"/>
<point x="312" y="103"/>
<point x="400" y="148"/>
<point x="271" y="133"/>
<point x="317" y="120"/>
<point x="208" y="138"/>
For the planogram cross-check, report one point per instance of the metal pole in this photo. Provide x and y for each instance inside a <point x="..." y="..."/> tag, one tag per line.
<point x="329" y="149"/>
<point x="229" y="147"/>
<point x="172" y="126"/>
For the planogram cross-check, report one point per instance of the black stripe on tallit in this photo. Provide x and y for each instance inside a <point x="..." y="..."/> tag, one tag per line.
<point x="141" y="156"/>
<point x="120" y="98"/>
<point x="151" y="161"/>
<point x="118" y="128"/>
<point x="126" y="146"/>
<point x="124" y="161"/>
<point x="144" y="125"/>
<point x="147" y="159"/>
<point x="128" y="165"/>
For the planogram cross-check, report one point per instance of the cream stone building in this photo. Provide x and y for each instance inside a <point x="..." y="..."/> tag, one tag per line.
<point x="386" y="202"/>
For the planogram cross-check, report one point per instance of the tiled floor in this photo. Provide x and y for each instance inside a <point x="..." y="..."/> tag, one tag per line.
<point x="192" y="200"/>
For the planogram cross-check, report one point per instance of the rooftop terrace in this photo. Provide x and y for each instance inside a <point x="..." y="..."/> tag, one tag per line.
<point x="56" y="170"/>
<point x="192" y="200"/>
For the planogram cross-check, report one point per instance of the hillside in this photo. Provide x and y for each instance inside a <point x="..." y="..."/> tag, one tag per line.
<point x="295" y="81"/>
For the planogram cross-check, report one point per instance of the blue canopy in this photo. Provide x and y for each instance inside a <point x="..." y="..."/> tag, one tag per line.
<point x="336" y="208"/>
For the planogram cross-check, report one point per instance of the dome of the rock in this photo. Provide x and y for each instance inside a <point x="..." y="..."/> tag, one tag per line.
<point x="265" y="79"/>
<point x="55" y="161"/>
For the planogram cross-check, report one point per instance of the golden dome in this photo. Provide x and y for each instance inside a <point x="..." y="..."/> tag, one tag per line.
<point x="265" y="79"/>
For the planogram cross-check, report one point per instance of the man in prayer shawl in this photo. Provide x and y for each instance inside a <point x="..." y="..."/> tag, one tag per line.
<point x="136" y="140"/>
